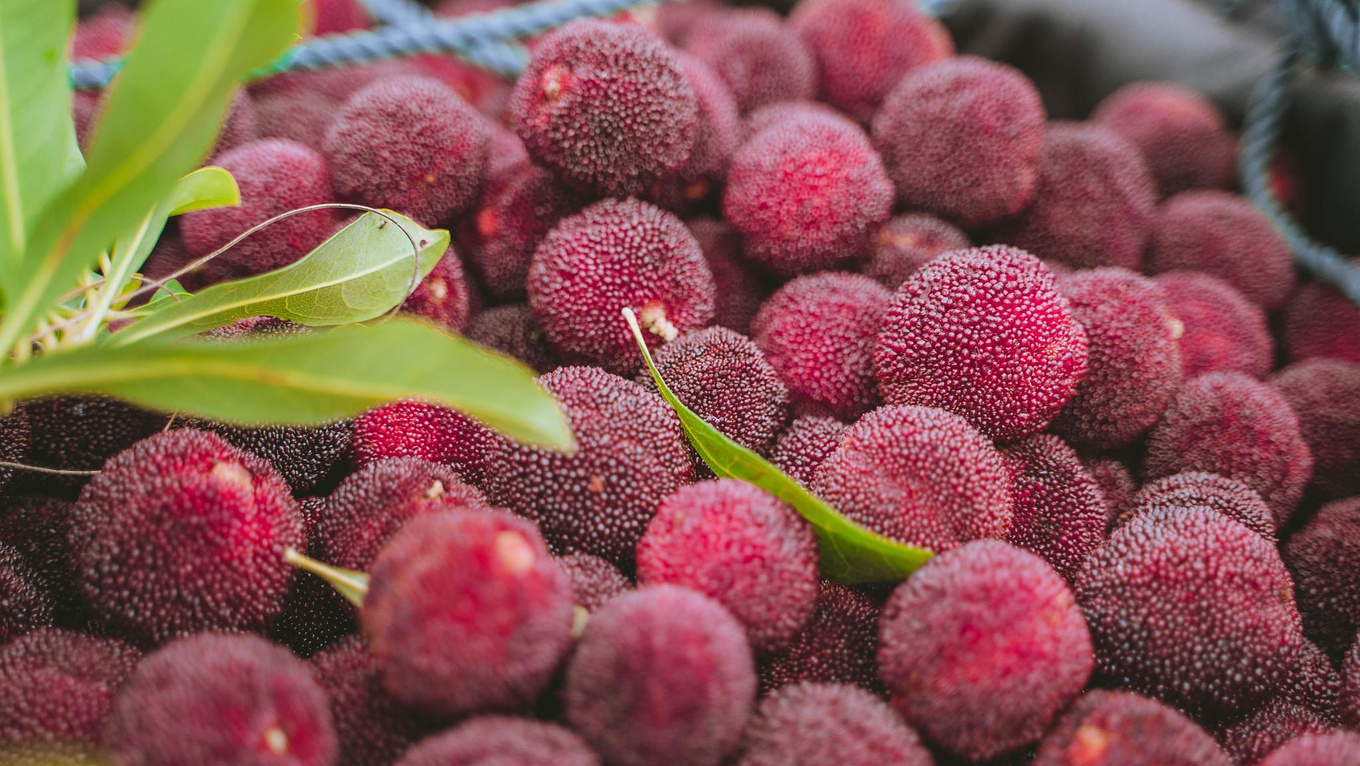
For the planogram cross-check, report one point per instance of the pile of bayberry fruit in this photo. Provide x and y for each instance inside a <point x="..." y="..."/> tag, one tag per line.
<point x="1065" y="357"/>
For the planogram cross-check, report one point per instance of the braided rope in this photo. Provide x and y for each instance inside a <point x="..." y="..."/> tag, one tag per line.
<point x="1264" y="123"/>
<point x="466" y="37"/>
<point x="505" y="58"/>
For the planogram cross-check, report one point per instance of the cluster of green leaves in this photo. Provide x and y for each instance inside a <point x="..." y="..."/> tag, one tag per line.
<point x="75" y="229"/>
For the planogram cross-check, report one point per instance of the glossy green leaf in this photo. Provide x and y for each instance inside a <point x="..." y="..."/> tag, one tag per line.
<point x="849" y="553"/>
<point x="306" y="379"/>
<point x="163" y="114"/>
<point x="203" y="189"/>
<point x="359" y="274"/>
<point x="38" y="151"/>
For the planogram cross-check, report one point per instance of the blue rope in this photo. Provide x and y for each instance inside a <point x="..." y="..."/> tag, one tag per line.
<point x="464" y="37"/>
<point x="1329" y="29"/>
<point x="501" y="57"/>
<point x="1264" y="123"/>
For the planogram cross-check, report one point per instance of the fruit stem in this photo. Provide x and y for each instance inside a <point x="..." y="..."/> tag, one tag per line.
<point x="347" y="582"/>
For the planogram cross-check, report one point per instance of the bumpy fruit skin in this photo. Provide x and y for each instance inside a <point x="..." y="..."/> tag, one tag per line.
<point x="427" y="432"/>
<point x="612" y="255"/>
<point x="864" y="47"/>
<point x="314" y="615"/>
<point x="803" y="446"/>
<point x="15" y="435"/>
<point x="741" y="290"/>
<point x="719" y="133"/>
<point x="963" y="138"/>
<point x="724" y="378"/>
<point x="381" y="497"/>
<point x="1193" y="608"/>
<point x="920" y="476"/>
<point x="1325" y="396"/>
<point x="1060" y="512"/>
<point x="58" y="685"/>
<point x="740" y="546"/>
<point x="482" y="581"/>
<point x="444" y="296"/>
<point x="837" y="645"/>
<point x="1133" y="367"/>
<point x="661" y="675"/>
<point x="818" y="332"/>
<point x="516" y="210"/>
<point x="332" y="17"/>
<point x="307" y="458"/>
<point x="909" y="242"/>
<point x="369" y="726"/>
<point x="1334" y="749"/>
<point x="985" y="334"/>
<point x="630" y="455"/>
<point x="25" y="600"/>
<point x="1348" y="702"/>
<point x="239" y="126"/>
<point x="183" y="532"/>
<point x="1224" y="235"/>
<point x="1323" y="557"/>
<point x="1182" y="135"/>
<point x="605" y="107"/>
<point x="811" y="724"/>
<point x="104" y="34"/>
<point x="275" y="177"/>
<point x="1113" y="728"/>
<point x="216" y="698"/>
<point x="409" y="144"/>
<point x="594" y="581"/>
<point x="1222" y="331"/>
<point x="1251" y="739"/>
<point x="1314" y="683"/>
<point x="807" y="194"/>
<point x="756" y="55"/>
<point x="302" y="116"/>
<point x="1094" y="202"/>
<point x="38" y="528"/>
<point x="1027" y="656"/>
<point x="1116" y="482"/>
<point x="783" y="111"/>
<point x="79" y="433"/>
<point x="1200" y="489"/>
<point x="1232" y="425"/>
<point x="504" y="741"/>
<point x="1319" y="321"/>
<point x="513" y="330"/>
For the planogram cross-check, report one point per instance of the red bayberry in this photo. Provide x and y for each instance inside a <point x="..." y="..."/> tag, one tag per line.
<point x="606" y="107"/>
<point x="1182" y="134"/>
<point x="479" y="580"/>
<point x="818" y="332"/>
<point x="1094" y="202"/>
<point x="1026" y="655"/>
<point x="661" y="674"/>
<point x="613" y="255"/>
<point x="920" y="476"/>
<point x="982" y="333"/>
<point x="963" y="138"/>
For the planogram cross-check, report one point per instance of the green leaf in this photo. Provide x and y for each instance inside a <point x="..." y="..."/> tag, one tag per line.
<point x="38" y="151"/>
<point x="849" y="553"/>
<point x="359" y="274"/>
<point x="163" y="115"/>
<point x="202" y="189"/>
<point x="306" y="379"/>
